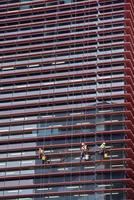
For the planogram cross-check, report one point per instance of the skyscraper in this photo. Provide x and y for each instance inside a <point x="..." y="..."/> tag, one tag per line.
<point x="67" y="73"/>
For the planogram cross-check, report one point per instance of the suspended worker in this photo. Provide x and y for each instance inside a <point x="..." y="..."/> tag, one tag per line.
<point x="84" y="152"/>
<point x="103" y="150"/>
<point x="42" y="156"/>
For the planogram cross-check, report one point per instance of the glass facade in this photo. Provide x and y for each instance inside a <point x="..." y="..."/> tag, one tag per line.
<point x="66" y="69"/>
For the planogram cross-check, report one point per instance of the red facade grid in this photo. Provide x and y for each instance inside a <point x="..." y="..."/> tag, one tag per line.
<point x="66" y="70"/>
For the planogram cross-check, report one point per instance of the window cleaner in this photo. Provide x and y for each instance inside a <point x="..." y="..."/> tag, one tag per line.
<point x="103" y="150"/>
<point x="42" y="156"/>
<point x="84" y="152"/>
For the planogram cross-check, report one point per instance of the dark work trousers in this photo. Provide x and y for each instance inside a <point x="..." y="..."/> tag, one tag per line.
<point x="82" y="155"/>
<point x="102" y="152"/>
